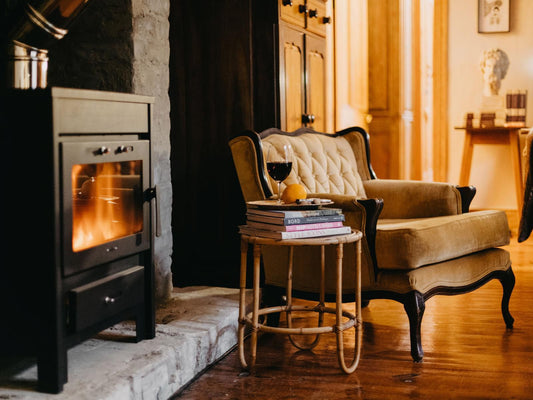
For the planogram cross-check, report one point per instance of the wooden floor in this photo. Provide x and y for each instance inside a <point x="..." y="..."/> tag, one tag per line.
<point x="468" y="353"/>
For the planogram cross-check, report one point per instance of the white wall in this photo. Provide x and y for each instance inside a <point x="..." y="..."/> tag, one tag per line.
<point x="492" y="172"/>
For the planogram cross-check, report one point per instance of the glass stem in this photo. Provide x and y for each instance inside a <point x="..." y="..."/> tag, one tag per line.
<point x="279" y="192"/>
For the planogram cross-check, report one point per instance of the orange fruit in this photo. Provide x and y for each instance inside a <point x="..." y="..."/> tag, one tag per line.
<point x="293" y="192"/>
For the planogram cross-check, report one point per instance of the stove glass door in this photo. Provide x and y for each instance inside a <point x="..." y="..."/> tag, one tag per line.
<point x="104" y="208"/>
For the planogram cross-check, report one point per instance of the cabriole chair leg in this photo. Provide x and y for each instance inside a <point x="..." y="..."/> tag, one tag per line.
<point x="508" y="282"/>
<point x="414" y="305"/>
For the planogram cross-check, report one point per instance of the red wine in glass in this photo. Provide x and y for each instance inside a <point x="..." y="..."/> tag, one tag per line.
<point x="279" y="170"/>
<point x="279" y="164"/>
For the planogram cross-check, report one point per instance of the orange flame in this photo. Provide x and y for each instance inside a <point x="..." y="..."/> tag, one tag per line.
<point x="103" y="207"/>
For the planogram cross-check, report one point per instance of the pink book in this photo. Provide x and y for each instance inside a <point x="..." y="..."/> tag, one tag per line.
<point x="294" y="228"/>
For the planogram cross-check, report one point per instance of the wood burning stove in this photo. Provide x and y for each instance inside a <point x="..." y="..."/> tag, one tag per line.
<point x="78" y="219"/>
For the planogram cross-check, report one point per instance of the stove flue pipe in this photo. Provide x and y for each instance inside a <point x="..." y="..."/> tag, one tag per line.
<point x="42" y="23"/>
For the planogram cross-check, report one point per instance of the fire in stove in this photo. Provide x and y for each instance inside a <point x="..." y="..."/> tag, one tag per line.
<point x="106" y="202"/>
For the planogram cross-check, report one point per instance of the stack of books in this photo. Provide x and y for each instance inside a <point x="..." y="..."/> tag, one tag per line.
<point x="516" y="104"/>
<point x="294" y="224"/>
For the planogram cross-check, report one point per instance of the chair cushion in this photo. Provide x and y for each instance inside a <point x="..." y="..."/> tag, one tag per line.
<point x="456" y="273"/>
<point x="322" y="163"/>
<point x="411" y="243"/>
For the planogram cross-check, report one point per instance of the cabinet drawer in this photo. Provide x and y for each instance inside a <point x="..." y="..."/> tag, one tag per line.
<point x="316" y="12"/>
<point x="291" y="13"/>
<point x="105" y="297"/>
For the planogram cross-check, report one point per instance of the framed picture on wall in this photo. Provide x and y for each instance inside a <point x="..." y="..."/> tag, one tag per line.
<point x="493" y="16"/>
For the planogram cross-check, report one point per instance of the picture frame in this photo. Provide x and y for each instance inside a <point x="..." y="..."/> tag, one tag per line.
<point x="494" y="16"/>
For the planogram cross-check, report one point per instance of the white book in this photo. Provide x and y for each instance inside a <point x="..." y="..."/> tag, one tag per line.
<point x="292" y="228"/>
<point x="247" y="230"/>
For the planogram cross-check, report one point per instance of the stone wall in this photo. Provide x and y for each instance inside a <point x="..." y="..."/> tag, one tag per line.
<point x="123" y="45"/>
<point x="151" y="52"/>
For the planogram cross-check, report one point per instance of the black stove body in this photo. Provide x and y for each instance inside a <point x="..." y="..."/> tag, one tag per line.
<point x="78" y="212"/>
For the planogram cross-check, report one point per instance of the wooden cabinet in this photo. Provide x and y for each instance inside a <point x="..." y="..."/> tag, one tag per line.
<point x="299" y="60"/>
<point x="302" y="59"/>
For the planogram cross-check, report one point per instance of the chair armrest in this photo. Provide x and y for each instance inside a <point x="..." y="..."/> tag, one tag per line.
<point x="353" y="211"/>
<point x="415" y="199"/>
<point x="361" y="214"/>
<point x="467" y="195"/>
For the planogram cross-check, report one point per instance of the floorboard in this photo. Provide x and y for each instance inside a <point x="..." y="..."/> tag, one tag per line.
<point x="469" y="354"/>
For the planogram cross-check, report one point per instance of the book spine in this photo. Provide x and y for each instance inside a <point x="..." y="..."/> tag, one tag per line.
<point x="307" y="227"/>
<point x="522" y="107"/>
<point x="315" y="233"/>
<point x="294" y="228"/>
<point x="314" y="220"/>
<point x="296" y="221"/>
<point x="247" y="230"/>
<point x="297" y="214"/>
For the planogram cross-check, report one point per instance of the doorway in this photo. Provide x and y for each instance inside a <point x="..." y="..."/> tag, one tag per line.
<point x="397" y="84"/>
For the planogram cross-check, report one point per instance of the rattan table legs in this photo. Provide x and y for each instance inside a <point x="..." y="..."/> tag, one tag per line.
<point x="344" y="320"/>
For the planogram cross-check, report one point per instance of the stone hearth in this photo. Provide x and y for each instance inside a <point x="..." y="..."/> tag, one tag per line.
<point x="195" y="328"/>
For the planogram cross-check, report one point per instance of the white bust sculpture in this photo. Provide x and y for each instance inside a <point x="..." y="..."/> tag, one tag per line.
<point x="494" y="64"/>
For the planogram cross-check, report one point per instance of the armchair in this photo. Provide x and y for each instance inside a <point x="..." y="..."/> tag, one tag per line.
<point x="419" y="238"/>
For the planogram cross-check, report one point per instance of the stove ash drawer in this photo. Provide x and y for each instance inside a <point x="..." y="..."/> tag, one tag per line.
<point x="101" y="299"/>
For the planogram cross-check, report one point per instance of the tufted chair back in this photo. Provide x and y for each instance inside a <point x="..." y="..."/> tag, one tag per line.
<point x="321" y="163"/>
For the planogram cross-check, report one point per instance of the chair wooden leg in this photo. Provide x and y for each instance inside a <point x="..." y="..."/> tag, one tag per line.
<point x="414" y="306"/>
<point x="507" y="281"/>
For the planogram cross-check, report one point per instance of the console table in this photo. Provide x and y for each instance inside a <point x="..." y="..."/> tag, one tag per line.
<point x="344" y="320"/>
<point x="509" y="136"/>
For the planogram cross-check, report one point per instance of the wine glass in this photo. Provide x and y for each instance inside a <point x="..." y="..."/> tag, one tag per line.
<point x="279" y="164"/>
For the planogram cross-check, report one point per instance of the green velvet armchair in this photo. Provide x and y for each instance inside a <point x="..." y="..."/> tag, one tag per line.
<point x="419" y="238"/>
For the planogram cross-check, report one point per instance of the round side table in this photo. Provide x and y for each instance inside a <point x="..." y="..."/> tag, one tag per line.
<point x="251" y="319"/>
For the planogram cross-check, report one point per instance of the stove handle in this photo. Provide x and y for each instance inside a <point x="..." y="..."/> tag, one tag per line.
<point x="157" y="214"/>
<point x="151" y="194"/>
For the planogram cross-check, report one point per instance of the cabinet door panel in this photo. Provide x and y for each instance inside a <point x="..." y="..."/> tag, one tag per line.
<point x="291" y="78"/>
<point x="316" y="81"/>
